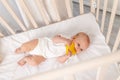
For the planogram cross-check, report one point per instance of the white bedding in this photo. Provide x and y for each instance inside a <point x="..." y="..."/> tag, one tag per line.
<point x="9" y="69"/>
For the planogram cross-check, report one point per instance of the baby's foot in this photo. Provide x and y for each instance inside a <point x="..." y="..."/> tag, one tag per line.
<point x="22" y="62"/>
<point x="18" y="50"/>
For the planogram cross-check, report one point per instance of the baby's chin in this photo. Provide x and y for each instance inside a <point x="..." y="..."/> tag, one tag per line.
<point x="77" y="52"/>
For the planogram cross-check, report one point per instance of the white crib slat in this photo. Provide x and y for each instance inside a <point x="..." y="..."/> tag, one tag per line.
<point x="69" y="8"/>
<point x="98" y="7"/>
<point x="24" y="17"/>
<point x="117" y="42"/>
<point x="92" y="6"/>
<point x="7" y="6"/>
<point x="104" y="14"/>
<point x="3" y="22"/>
<point x="28" y="13"/>
<point x="42" y="10"/>
<point x="111" y="20"/>
<point x="81" y="6"/>
<point x="81" y="66"/>
<point x="56" y="10"/>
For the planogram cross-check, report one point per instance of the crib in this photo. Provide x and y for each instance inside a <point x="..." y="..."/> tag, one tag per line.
<point x="27" y="21"/>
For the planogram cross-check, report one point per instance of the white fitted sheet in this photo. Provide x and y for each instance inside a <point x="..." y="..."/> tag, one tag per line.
<point x="9" y="69"/>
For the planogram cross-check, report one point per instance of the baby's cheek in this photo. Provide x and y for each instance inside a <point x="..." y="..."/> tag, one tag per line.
<point x="78" y="51"/>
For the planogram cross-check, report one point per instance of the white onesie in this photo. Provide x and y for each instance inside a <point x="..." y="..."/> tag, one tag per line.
<point x="48" y="49"/>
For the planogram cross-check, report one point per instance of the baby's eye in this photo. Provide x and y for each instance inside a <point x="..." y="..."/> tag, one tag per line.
<point x="79" y="45"/>
<point x="81" y="49"/>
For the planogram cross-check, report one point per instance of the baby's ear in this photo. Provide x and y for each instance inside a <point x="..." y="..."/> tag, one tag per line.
<point x="73" y="37"/>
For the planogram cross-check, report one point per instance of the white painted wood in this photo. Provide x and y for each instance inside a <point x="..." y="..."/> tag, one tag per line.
<point x="92" y="6"/>
<point x="115" y="4"/>
<point x="81" y="6"/>
<point x="104" y="14"/>
<point x="56" y="10"/>
<point x="69" y="8"/>
<point x="81" y="66"/>
<point x="23" y="15"/>
<point x="42" y="11"/>
<point x="117" y="42"/>
<point x="24" y="7"/>
<point x="8" y="7"/>
<point x="86" y="2"/>
<point x="4" y="23"/>
<point x="98" y="7"/>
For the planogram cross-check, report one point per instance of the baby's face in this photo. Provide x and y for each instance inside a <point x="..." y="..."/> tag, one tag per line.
<point x="81" y="43"/>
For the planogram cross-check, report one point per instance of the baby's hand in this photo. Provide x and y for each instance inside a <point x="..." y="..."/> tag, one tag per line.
<point x="63" y="58"/>
<point x="57" y="38"/>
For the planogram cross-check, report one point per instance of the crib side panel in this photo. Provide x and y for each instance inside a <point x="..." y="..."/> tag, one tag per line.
<point x="4" y="23"/>
<point x="28" y="20"/>
<point x="115" y="4"/>
<point x="7" y="6"/>
<point x="110" y="18"/>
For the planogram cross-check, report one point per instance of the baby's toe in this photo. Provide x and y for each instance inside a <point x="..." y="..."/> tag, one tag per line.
<point x="21" y="62"/>
<point x="18" y="50"/>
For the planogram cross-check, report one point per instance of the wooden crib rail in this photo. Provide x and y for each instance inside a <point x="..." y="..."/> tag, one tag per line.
<point x="27" y="12"/>
<point x="115" y="4"/>
<point x="7" y="6"/>
<point x="81" y="7"/>
<point x="3" y="22"/>
<point x="104" y="14"/>
<point x="111" y="21"/>
<point x="28" y="17"/>
<point x="92" y="6"/>
<point x="117" y="42"/>
<point x="97" y="12"/>
<point x="56" y="10"/>
<point x="69" y="8"/>
<point x="42" y="11"/>
<point x="81" y="66"/>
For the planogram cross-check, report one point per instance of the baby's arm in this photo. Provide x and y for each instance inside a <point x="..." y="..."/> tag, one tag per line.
<point x="61" y="39"/>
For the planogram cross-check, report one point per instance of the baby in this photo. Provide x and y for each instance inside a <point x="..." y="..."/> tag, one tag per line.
<point x="59" y="46"/>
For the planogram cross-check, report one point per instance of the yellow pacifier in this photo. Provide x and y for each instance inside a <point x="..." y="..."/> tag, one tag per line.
<point x="71" y="48"/>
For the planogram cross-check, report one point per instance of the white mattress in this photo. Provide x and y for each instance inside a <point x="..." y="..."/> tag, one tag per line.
<point x="9" y="69"/>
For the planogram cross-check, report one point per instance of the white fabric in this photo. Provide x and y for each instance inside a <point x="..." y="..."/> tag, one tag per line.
<point x="48" y="49"/>
<point x="9" y="69"/>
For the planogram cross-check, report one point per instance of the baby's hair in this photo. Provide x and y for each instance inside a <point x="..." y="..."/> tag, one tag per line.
<point x="82" y="34"/>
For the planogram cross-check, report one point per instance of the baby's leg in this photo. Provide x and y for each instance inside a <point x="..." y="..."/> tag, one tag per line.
<point x="32" y="60"/>
<point x="28" y="46"/>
